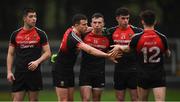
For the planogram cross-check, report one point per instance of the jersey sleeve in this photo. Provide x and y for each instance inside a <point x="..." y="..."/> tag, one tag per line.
<point x="164" y="39"/>
<point x="109" y="32"/>
<point x="134" y="41"/>
<point x="12" y="41"/>
<point x="75" y="40"/>
<point x="43" y="38"/>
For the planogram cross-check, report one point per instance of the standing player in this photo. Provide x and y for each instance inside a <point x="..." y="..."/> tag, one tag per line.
<point x="63" y="74"/>
<point x="125" y="70"/>
<point x="150" y="47"/>
<point x="92" y="72"/>
<point x="27" y="43"/>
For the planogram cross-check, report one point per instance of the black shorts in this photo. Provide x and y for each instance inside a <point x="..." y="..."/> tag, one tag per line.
<point x="94" y="80"/>
<point x="62" y="81"/>
<point x="151" y="81"/>
<point x="125" y="79"/>
<point x="28" y="81"/>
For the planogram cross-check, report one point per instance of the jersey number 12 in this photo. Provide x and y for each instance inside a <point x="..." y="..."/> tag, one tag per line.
<point x="153" y="58"/>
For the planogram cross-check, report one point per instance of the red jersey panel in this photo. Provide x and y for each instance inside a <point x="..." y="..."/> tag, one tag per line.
<point x="90" y="63"/>
<point x="122" y="36"/>
<point x="28" y="46"/>
<point x="97" y="41"/>
<point x="150" y="47"/>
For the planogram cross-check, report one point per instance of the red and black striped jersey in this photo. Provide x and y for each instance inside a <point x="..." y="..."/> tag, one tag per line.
<point x="91" y="63"/>
<point x="68" y="52"/>
<point x="150" y="46"/>
<point x="28" y="46"/>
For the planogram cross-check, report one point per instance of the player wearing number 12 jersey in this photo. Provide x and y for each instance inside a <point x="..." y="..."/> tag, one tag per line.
<point x="150" y="47"/>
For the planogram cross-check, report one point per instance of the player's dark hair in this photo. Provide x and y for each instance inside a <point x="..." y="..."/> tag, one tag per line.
<point x="28" y="10"/>
<point x="122" y="11"/>
<point x="148" y="16"/>
<point x="77" y="17"/>
<point x="97" y="15"/>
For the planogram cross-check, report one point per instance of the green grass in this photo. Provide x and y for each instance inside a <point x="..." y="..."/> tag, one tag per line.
<point x="108" y="95"/>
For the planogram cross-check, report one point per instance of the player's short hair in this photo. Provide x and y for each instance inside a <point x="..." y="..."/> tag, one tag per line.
<point x="77" y="18"/>
<point x="28" y="10"/>
<point x="97" y="15"/>
<point x="148" y="16"/>
<point x="122" y="11"/>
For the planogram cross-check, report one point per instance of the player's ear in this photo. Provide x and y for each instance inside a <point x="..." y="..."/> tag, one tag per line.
<point x="91" y="24"/>
<point x="76" y="25"/>
<point x="155" y="22"/>
<point x="142" y="22"/>
<point x="117" y="18"/>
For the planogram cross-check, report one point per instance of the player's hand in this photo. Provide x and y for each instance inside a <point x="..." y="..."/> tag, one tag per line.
<point x="116" y="51"/>
<point x="110" y="57"/>
<point x="33" y="65"/>
<point x="10" y="77"/>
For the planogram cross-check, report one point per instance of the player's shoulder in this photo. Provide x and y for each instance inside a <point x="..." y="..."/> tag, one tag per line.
<point x="139" y="34"/>
<point x="15" y="32"/>
<point x="40" y="30"/>
<point x="160" y="34"/>
<point x="136" y="29"/>
<point x="109" y="31"/>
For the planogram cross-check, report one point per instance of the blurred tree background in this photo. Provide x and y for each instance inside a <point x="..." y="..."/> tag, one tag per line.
<point x="54" y="16"/>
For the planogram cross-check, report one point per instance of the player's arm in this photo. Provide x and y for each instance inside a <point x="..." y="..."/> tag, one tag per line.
<point x="118" y="50"/>
<point x="10" y="57"/>
<point x="45" y="55"/>
<point x="94" y="51"/>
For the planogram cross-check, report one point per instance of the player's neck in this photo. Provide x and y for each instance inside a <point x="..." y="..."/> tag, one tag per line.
<point x="123" y="27"/>
<point x="148" y="27"/>
<point x="97" y="32"/>
<point x="76" y="31"/>
<point x="26" y="27"/>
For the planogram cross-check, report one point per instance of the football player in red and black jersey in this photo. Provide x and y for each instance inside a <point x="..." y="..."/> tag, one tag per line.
<point x="29" y="45"/>
<point x="63" y="74"/>
<point x="150" y="47"/>
<point x="125" y="74"/>
<point x="92" y="72"/>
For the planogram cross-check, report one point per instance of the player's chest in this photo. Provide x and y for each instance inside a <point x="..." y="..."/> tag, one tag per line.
<point x="97" y="42"/>
<point x="27" y="40"/>
<point x="122" y="37"/>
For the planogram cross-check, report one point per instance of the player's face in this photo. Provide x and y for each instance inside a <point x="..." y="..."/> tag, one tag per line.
<point x="123" y="21"/>
<point x="30" y="19"/>
<point x="97" y="24"/>
<point x="82" y="26"/>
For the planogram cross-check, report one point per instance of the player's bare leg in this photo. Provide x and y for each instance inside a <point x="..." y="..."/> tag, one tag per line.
<point x="33" y="96"/>
<point x="85" y="93"/>
<point x="96" y="96"/>
<point x="18" y="96"/>
<point x="120" y="95"/>
<point x="159" y="94"/>
<point x="133" y="95"/>
<point x="71" y="94"/>
<point x="143" y="94"/>
<point x="62" y="94"/>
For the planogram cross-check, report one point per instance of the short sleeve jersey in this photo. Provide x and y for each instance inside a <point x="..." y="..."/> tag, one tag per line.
<point x="150" y="46"/>
<point x="28" y="46"/>
<point x="68" y="52"/>
<point x="90" y="63"/>
<point x="123" y="37"/>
